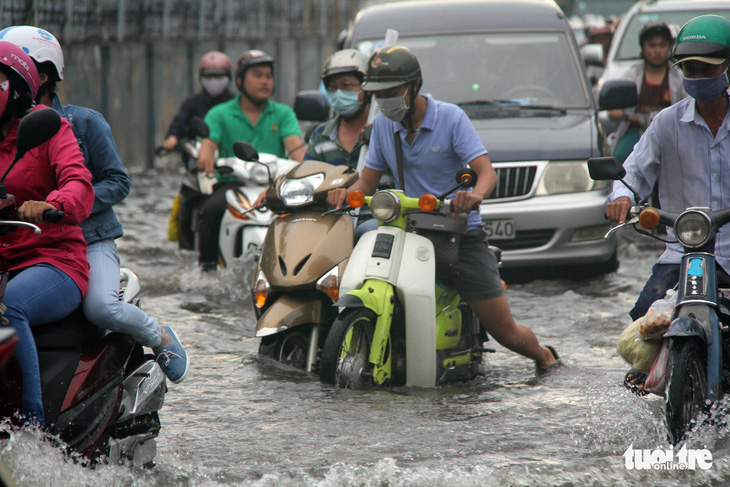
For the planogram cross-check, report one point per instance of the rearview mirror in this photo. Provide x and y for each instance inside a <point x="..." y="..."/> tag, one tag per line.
<point x="592" y="54"/>
<point x="198" y="127"/>
<point x="311" y="105"/>
<point x="245" y="151"/>
<point x="37" y="128"/>
<point x="617" y="93"/>
<point x="605" y="169"/>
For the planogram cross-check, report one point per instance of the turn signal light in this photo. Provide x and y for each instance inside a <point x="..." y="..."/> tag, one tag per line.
<point x="649" y="218"/>
<point x="427" y="202"/>
<point x="260" y="291"/>
<point x="355" y="199"/>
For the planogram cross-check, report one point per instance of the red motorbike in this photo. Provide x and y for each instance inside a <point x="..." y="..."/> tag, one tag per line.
<point x="101" y="392"/>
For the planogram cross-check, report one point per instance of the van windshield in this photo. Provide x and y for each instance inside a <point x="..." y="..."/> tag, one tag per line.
<point x="526" y="69"/>
<point x="629" y="48"/>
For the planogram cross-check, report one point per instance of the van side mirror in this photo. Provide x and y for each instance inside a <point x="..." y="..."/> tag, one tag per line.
<point x="617" y="93"/>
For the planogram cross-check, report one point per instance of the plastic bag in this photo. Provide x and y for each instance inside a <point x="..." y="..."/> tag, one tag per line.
<point x="657" y="378"/>
<point x="641" y="354"/>
<point x="658" y="317"/>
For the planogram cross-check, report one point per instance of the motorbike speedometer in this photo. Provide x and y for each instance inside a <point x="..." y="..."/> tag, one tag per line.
<point x="693" y="229"/>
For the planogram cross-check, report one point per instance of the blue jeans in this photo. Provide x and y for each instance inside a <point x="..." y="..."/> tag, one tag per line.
<point x="663" y="278"/>
<point x="37" y="295"/>
<point x="101" y="304"/>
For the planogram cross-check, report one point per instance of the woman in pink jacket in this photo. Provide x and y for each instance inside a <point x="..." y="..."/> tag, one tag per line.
<point x="49" y="272"/>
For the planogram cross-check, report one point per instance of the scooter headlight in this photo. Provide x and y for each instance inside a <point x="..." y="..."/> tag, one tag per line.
<point x="693" y="228"/>
<point x="297" y="192"/>
<point x="259" y="174"/>
<point x="385" y="206"/>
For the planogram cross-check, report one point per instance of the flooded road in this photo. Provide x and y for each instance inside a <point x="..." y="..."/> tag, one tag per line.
<point x="240" y="419"/>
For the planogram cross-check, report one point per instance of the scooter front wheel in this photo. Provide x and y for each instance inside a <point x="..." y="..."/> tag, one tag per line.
<point x="347" y="350"/>
<point x="686" y="386"/>
<point x="290" y="347"/>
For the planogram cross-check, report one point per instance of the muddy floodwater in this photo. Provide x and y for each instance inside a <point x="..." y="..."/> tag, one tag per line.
<point x="240" y="419"/>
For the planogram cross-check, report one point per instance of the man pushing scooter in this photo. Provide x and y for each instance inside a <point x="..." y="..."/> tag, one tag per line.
<point x="424" y="142"/>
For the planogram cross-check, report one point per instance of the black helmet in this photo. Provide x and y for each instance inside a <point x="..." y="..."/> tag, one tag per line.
<point x="389" y="67"/>
<point x="252" y="58"/>
<point x="652" y="28"/>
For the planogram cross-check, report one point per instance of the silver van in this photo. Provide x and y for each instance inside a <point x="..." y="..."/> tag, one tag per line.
<point x="515" y="68"/>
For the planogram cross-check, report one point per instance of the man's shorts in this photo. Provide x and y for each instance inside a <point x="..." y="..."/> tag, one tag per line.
<point x="478" y="274"/>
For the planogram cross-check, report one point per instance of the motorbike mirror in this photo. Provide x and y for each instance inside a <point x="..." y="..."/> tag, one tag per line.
<point x="311" y="105"/>
<point x="245" y="151"/>
<point x="609" y="169"/>
<point x="616" y="94"/>
<point x="605" y="169"/>
<point x="34" y="129"/>
<point x="466" y="178"/>
<point x="198" y="127"/>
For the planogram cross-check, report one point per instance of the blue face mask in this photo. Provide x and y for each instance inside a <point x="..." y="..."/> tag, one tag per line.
<point x="344" y="102"/>
<point x="705" y="89"/>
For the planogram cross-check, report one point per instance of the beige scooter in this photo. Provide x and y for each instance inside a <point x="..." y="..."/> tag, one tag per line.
<point x="303" y="256"/>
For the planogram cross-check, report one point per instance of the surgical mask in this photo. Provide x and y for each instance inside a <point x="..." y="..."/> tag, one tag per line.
<point x="344" y="102"/>
<point x="705" y="89"/>
<point x="215" y="86"/>
<point x="394" y="108"/>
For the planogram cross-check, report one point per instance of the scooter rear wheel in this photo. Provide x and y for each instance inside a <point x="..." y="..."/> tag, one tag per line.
<point x="347" y="350"/>
<point x="686" y="386"/>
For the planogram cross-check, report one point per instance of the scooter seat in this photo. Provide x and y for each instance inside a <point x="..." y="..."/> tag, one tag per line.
<point x="71" y="332"/>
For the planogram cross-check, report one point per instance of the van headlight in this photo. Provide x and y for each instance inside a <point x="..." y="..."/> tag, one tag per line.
<point x="693" y="228"/>
<point x="385" y="206"/>
<point x="567" y="177"/>
<point x="297" y="192"/>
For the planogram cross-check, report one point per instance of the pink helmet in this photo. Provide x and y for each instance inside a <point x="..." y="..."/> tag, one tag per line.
<point x="214" y="63"/>
<point x="16" y="59"/>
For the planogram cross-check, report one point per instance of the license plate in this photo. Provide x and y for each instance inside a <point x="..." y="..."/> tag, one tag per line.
<point x="500" y="229"/>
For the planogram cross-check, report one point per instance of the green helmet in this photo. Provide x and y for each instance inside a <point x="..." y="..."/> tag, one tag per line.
<point x="389" y="67"/>
<point x="705" y="38"/>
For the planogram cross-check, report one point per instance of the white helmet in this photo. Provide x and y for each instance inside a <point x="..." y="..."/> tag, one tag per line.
<point x="346" y="61"/>
<point x="38" y="43"/>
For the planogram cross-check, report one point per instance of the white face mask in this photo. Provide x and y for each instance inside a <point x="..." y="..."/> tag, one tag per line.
<point x="215" y="86"/>
<point x="394" y="108"/>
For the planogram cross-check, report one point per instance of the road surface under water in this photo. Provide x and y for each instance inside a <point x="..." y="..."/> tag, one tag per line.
<point x="240" y="419"/>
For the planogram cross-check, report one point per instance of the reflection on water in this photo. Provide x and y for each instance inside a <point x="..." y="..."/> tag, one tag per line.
<point x="241" y="419"/>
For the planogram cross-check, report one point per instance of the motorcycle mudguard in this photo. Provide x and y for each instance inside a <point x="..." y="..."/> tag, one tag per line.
<point x="287" y="312"/>
<point x="377" y="296"/>
<point x="686" y="327"/>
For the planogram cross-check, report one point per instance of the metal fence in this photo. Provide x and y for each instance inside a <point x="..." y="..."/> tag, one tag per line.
<point x="136" y="60"/>
<point x="117" y="20"/>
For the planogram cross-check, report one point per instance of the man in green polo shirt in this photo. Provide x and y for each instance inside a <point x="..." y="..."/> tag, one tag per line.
<point x="251" y="117"/>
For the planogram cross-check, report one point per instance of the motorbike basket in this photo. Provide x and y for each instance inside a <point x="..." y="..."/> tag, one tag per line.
<point x="445" y="232"/>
